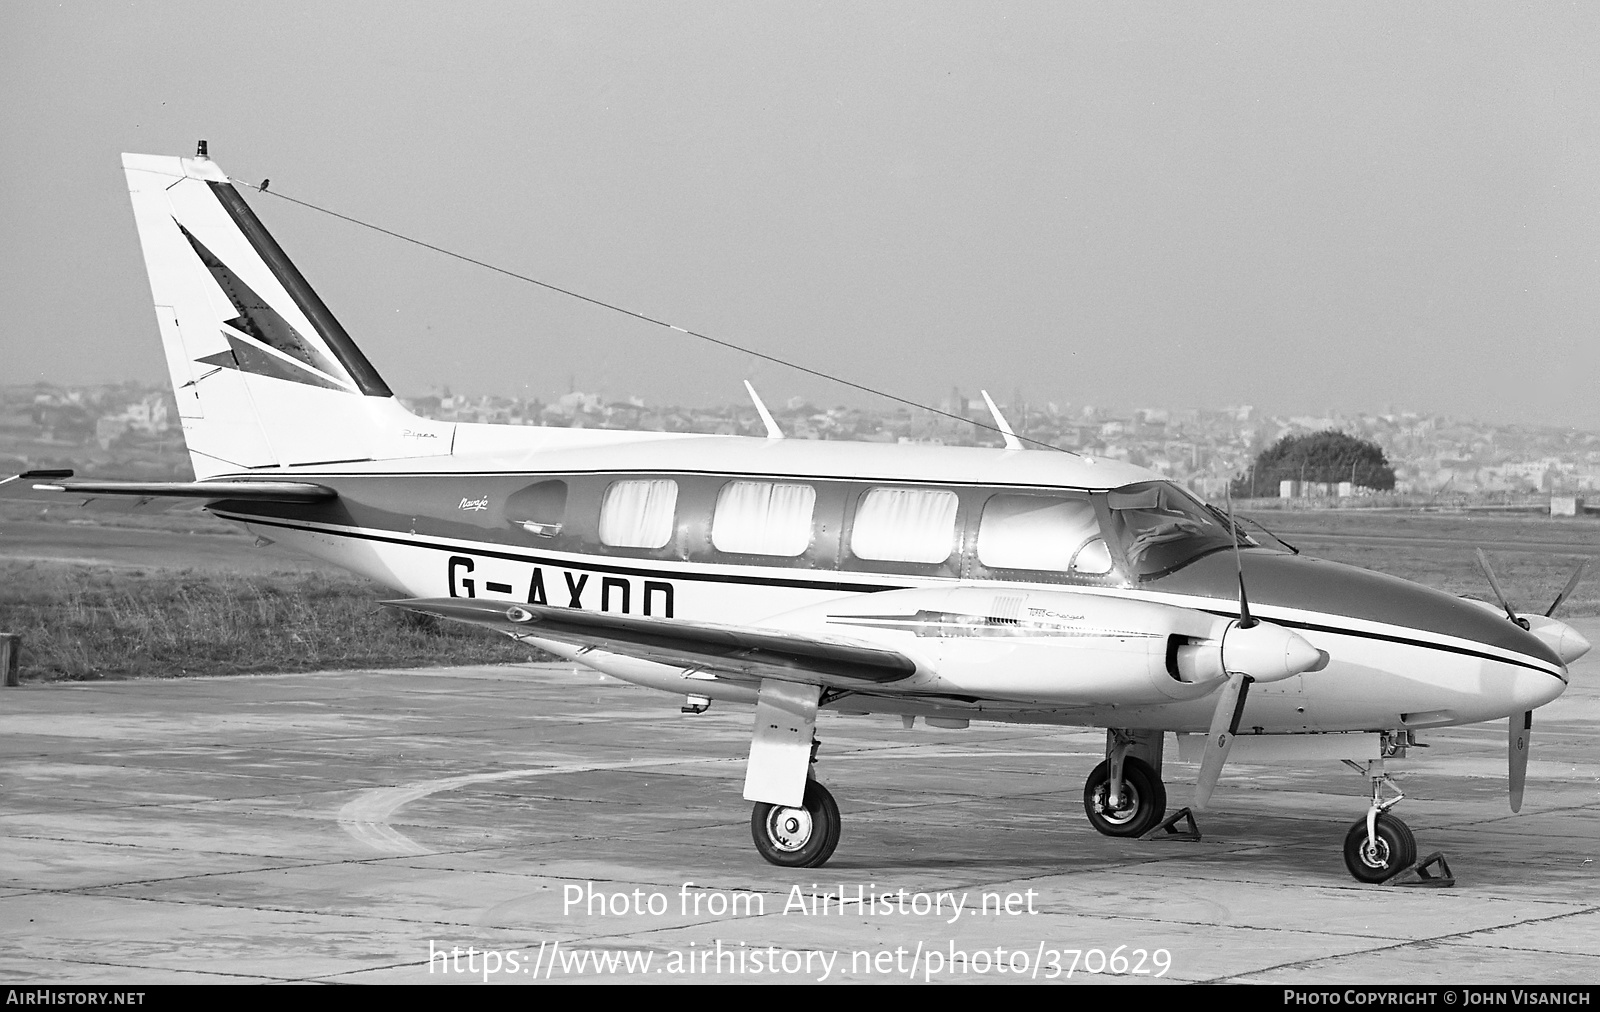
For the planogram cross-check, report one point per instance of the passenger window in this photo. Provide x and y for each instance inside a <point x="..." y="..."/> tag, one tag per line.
<point x="638" y="514"/>
<point x="1051" y="533"/>
<point x="905" y="525"/>
<point x="763" y="518"/>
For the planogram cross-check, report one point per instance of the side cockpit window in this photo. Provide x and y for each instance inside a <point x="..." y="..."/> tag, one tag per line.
<point x="638" y="514"/>
<point x="1057" y="534"/>
<point x="763" y="518"/>
<point x="905" y="525"/>
<point x="1163" y="528"/>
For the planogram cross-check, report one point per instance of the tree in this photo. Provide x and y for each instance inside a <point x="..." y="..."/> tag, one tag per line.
<point x="1323" y="456"/>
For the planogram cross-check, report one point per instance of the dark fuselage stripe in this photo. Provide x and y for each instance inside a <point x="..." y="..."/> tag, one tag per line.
<point x="1288" y="623"/>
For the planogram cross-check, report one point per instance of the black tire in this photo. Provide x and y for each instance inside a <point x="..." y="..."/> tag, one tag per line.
<point x="1395" y="852"/>
<point x="1143" y="800"/>
<point x="797" y="837"/>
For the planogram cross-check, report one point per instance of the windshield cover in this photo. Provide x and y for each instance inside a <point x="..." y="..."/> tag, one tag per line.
<point x="1162" y="528"/>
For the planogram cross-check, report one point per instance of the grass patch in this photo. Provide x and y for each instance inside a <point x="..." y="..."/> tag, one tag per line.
<point x="83" y="623"/>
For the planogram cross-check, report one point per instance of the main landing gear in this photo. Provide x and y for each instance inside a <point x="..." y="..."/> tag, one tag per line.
<point x="1136" y="808"/>
<point x="795" y="822"/>
<point x="1124" y="795"/>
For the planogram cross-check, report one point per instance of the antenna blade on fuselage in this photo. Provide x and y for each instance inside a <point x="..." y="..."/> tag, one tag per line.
<point x="1012" y="442"/>
<point x="773" y="432"/>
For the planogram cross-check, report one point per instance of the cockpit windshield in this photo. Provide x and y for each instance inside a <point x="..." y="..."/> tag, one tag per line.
<point x="1162" y="528"/>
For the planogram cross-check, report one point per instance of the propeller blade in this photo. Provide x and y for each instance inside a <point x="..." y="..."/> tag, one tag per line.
<point x="1483" y="564"/>
<point x="1518" y="738"/>
<point x="1572" y="584"/>
<point x="1219" y="742"/>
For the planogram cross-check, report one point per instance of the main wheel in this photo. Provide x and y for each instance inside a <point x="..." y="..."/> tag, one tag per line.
<point x="797" y="837"/>
<point x="1394" y="850"/>
<point x="1140" y="804"/>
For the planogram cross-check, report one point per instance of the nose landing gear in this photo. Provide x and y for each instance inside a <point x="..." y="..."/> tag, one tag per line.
<point x="1380" y="847"/>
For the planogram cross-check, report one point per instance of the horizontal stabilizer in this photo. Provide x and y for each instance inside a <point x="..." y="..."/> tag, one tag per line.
<point x="130" y="495"/>
<point x="741" y="650"/>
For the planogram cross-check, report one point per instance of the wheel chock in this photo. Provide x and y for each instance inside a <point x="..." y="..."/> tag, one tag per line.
<point x="1168" y="829"/>
<point x="1442" y="879"/>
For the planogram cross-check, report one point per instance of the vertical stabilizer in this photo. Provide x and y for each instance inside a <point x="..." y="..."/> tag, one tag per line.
<point x="264" y="374"/>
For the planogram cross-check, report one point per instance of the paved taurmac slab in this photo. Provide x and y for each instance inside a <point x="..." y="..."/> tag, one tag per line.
<point x="546" y="824"/>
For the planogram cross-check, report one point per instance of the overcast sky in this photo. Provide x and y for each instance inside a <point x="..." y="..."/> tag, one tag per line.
<point x="1301" y="207"/>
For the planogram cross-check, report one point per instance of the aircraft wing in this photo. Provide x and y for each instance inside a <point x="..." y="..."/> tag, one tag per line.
<point x="153" y="496"/>
<point x="736" y="650"/>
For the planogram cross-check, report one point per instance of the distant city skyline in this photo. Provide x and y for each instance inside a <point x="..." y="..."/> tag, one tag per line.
<point x="737" y="398"/>
<point x="128" y="427"/>
<point x="1298" y="207"/>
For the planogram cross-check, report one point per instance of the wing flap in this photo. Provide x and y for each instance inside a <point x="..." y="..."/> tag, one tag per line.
<point x="741" y="650"/>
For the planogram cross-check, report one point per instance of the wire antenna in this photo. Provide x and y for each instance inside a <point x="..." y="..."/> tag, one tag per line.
<point x="649" y="319"/>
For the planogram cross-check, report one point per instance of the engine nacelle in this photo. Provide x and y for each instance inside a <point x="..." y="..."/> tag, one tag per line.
<point x="1059" y="647"/>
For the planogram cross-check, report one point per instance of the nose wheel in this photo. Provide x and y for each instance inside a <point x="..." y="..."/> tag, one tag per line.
<point x="803" y="837"/>
<point x="1380" y="855"/>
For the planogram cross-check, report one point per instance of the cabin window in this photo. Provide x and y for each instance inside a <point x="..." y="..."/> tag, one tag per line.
<point x="638" y="514"/>
<point x="905" y="525"/>
<point x="1051" y="533"/>
<point x="763" y="518"/>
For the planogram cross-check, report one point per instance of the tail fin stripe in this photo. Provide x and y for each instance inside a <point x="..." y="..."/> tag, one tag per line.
<point x="355" y="363"/>
<point x="256" y="317"/>
<point x="247" y="358"/>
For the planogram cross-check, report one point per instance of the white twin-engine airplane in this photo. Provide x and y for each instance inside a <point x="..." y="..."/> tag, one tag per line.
<point x="951" y="584"/>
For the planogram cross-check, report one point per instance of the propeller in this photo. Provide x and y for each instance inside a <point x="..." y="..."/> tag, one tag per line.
<point x="1252" y="651"/>
<point x="1567" y="643"/>
<point x="1519" y="732"/>
<point x="1566" y="592"/>
<point x="1500" y="595"/>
